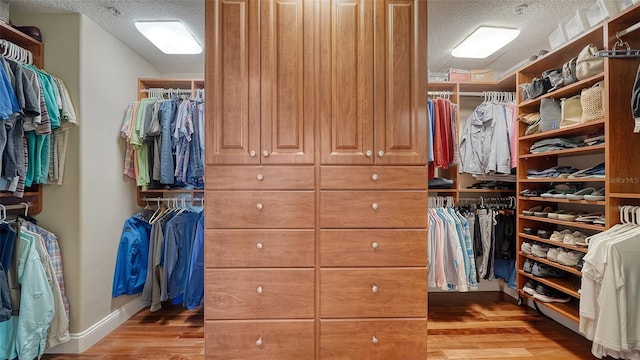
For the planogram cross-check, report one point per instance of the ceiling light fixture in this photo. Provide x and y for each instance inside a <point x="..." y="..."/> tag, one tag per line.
<point x="484" y="41"/>
<point x="171" y="37"/>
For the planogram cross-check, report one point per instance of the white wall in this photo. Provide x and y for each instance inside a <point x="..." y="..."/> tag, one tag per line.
<point x="87" y="212"/>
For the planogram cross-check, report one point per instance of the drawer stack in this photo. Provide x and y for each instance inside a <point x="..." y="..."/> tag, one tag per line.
<point x="260" y="262"/>
<point x="373" y="262"/>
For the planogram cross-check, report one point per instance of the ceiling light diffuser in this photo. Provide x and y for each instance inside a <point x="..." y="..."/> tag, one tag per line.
<point x="171" y="37"/>
<point x="484" y="42"/>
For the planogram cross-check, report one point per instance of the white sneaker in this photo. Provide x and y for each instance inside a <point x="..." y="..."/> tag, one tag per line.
<point x="525" y="247"/>
<point x="569" y="258"/>
<point x="539" y="250"/>
<point x="552" y="254"/>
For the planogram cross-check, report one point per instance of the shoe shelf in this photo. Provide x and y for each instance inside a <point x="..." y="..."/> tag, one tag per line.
<point x="556" y="180"/>
<point x="554" y="243"/>
<point x="486" y="190"/>
<point x="575" y="224"/>
<point x="562" y="201"/>
<point x="563" y="92"/>
<point x="568" y="269"/>
<point x="585" y="150"/>
<point x="570" y="309"/>
<point x="564" y="285"/>
<point x="569" y="131"/>
<point x="624" y="196"/>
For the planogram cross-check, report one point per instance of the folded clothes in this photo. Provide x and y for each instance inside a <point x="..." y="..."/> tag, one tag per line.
<point x="440" y="183"/>
<point x="552" y="172"/>
<point x="596" y="171"/>
<point x="558" y="142"/>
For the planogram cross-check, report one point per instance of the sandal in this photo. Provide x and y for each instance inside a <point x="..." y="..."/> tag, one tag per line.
<point x="544" y="212"/>
<point x="597" y="195"/>
<point x="531" y="211"/>
<point x="579" y="195"/>
<point x="530" y="193"/>
<point x="588" y="218"/>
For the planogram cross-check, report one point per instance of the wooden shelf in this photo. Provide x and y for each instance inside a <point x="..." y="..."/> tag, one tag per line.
<point x="568" y="269"/>
<point x="565" y="223"/>
<point x="625" y="195"/>
<point x="561" y="284"/>
<point x="561" y="201"/>
<point x="486" y="190"/>
<point x="567" y="131"/>
<point x="554" y="243"/>
<point x="561" y="180"/>
<point x="569" y="310"/>
<point x="563" y="92"/>
<point x="585" y="150"/>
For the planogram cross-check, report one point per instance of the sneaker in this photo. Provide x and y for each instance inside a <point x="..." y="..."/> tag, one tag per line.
<point x="525" y="247"/>
<point x="575" y="237"/>
<point x="528" y="266"/>
<point x="559" y="235"/>
<point x="545" y="271"/>
<point x="569" y="258"/>
<point x="552" y="254"/>
<point x="547" y="294"/>
<point x="580" y="264"/>
<point x="529" y="287"/>
<point x="539" y="250"/>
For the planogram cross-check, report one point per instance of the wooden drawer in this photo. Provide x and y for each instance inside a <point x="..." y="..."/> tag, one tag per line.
<point x="260" y="209"/>
<point x="259" y="294"/>
<point x="373" y="340"/>
<point x="260" y="177"/>
<point x="260" y="248"/>
<point x="373" y="248"/>
<point x="373" y="293"/>
<point x="373" y="177"/>
<point x="260" y="340"/>
<point x="373" y="209"/>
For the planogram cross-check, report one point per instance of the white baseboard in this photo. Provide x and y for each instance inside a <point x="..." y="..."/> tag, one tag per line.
<point x="80" y="342"/>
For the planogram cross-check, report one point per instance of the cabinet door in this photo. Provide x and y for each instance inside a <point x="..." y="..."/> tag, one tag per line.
<point x="400" y="82"/>
<point x="288" y="81"/>
<point x="233" y="53"/>
<point x="346" y="81"/>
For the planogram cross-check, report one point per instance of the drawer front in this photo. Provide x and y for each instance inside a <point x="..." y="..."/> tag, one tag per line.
<point x="373" y="177"/>
<point x="346" y="293"/>
<point x="260" y="340"/>
<point x="260" y="209"/>
<point x="373" y="209"/>
<point x="260" y="177"/>
<point x="259" y="294"/>
<point x="340" y="248"/>
<point x="373" y="340"/>
<point x="260" y="248"/>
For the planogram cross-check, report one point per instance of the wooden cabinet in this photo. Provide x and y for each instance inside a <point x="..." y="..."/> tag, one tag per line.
<point x="372" y="87"/>
<point x="260" y="57"/>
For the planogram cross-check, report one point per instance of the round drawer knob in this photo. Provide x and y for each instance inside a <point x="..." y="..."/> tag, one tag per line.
<point x="375" y="245"/>
<point x="259" y="206"/>
<point x="259" y="289"/>
<point x="265" y="153"/>
<point x="375" y="289"/>
<point x="368" y="153"/>
<point x="252" y="153"/>
<point x="375" y="177"/>
<point x="259" y="342"/>
<point x="259" y="246"/>
<point x="381" y="153"/>
<point x="375" y="206"/>
<point x="259" y="177"/>
<point x="374" y="340"/>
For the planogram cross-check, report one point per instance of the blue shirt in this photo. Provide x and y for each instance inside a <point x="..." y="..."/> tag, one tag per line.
<point x="194" y="292"/>
<point x="133" y="252"/>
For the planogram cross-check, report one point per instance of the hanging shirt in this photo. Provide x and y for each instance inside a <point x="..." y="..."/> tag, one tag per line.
<point x="131" y="262"/>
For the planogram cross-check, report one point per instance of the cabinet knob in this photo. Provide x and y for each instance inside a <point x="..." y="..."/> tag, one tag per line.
<point x="368" y="153"/>
<point x="374" y="340"/>
<point x="259" y="177"/>
<point x="259" y="289"/>
<point x="265" y="153"/>
<point x="259" y="342"/>
<point x="375" y="206"/>
<point x="381" y="153"/>
<point x="375" y="289"/>
<point x="259" y="206"/>
<point x="375" y="177"/>
<point x="375" y="245"/>
<point x="259" y="246"/>
<point x="252" y="153"/>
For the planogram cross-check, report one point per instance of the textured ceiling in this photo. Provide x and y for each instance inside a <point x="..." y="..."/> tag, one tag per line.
<point x="450" y="21"/>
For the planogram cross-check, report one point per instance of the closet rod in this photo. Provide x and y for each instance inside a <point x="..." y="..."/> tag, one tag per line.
<point x="468" y="93"/>
<point x="172" y="199"/>
<point x="184" y="91"/>
<point x="631" y="28"/>
<point x="17" y="206"/>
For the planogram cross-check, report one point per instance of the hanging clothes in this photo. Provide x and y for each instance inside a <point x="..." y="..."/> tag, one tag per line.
<point x="442" y="133"/>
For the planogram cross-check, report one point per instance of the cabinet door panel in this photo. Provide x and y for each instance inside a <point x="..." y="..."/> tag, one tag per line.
<point x="400" y="78"/>
<point x="346" y="81"/>
<point x="288" y="81"/>
<point x="233" y="126"/>
<point x="373" y="177"/>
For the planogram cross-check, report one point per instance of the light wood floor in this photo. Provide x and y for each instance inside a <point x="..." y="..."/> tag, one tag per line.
<point x="461" y="326"/>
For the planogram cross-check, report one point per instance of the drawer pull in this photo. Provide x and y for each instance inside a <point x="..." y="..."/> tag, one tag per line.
<point x="369" y="153"/>
<point x="259" y="289"/>
<point x="375" y="289"/>
<point x="259" y="206"/>
<point x="375" y="177"/>
<point x="374" y="340"/>
<point x="265" y="153"/>
<point x="375" y="206"/>
<point x="381" y="153"/>
<point x="259" y="342"/>
<point x="259" y="246"/>
<point x="252" y="153"/>
<point x="375" y="245"/>
<point x="259" y="177"/>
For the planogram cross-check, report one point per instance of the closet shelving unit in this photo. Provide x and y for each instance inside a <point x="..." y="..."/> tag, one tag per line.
<point x="621" y="148"/>
<point x="33" y="194"/>
<point x="177" y="84"/>
<point x="458" y="94"/>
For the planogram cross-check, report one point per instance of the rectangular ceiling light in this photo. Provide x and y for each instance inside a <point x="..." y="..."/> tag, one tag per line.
<point x="171" y="37"/>
<point x="484" y="42"/>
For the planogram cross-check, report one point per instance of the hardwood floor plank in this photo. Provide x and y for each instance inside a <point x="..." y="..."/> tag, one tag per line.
<point x="495" y="353"/>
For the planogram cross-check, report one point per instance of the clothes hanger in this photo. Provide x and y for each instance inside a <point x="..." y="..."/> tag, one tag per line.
<point x="625" y="52"/>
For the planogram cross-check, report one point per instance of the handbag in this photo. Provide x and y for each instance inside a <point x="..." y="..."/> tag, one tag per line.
<point x="592" y="101"/>
<point x="571" y="111"/>
<point x="533" y="120"/>
<point x="555" y="78"/>
<point x="539" y="86"/>
<point x="550" y="114"/>
<point x="569" y="71"/>
<point x="587" y="64"/>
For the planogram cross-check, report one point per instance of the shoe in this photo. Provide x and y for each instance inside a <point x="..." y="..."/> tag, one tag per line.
<point x="580" y="264"/>
<point x="529" y="231"/>
<point x="572" y="239"/>
<point x="569" y="216"/>
<point x="597" y="195"/>
<point x="532" y="210"/>
<point x="569" y="258"/>
<point x="525" y="247"/>
<point x="544" y="212"/>
<point x="547" y="294"/>
<point x="579" y="195"/>
<point x="539" y="250"/>
<point x="560" y="189"/>
<point x="559" y="235"/>
<point x="528" y="266"/>
<point x="588" y="218"/>
<point x="555" y="214"/>
<point x="529" y="193"/>
<point x="552" y="254"/>
<point x="530" y="287"/>
<point x="545" y="271"/>
<point x="545" y="234"/>
<point x="600" y="221"/>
